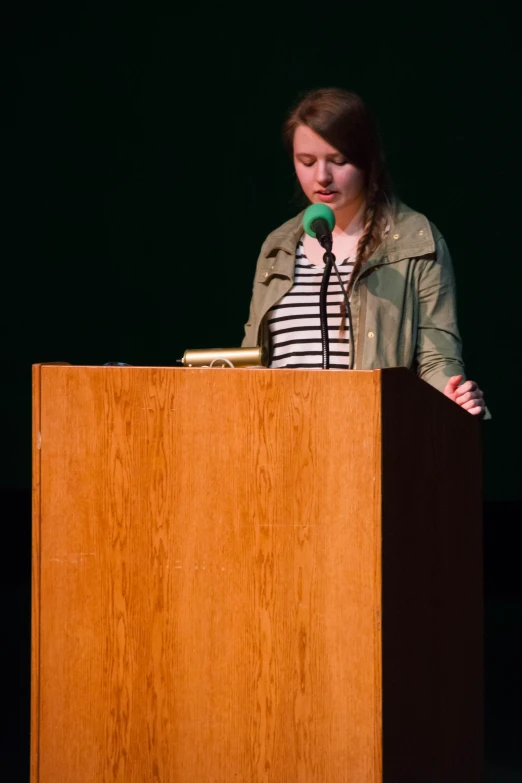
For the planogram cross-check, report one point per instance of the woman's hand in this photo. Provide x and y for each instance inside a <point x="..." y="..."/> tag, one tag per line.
<point x="468" y="396"/>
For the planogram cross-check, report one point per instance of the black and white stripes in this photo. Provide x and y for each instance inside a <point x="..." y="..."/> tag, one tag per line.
<point x="294" y="321"/>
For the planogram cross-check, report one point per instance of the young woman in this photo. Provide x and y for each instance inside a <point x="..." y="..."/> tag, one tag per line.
<point x="394" y="263"/>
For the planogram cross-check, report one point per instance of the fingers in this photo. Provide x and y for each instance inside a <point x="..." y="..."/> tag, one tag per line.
<point x="470" y="398"/>
<point x="476" y="394"/>
<point x="474" y="403"/>
<point x="468" y="386"/>
<point x="467" y="395"/>
<point x="451" y="386"/>
<point x="453" y="382"/>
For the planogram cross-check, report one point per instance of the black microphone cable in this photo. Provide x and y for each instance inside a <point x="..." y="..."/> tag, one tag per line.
<point x="348" y="316"/>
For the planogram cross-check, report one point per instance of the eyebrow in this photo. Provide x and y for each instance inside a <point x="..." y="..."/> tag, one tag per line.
<point x="311" y="155"/>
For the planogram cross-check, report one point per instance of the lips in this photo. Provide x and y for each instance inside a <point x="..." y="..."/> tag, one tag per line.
<point x="326" y="195"/>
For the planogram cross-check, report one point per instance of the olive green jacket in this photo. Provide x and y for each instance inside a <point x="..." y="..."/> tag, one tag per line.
<point x="403" y="300"/>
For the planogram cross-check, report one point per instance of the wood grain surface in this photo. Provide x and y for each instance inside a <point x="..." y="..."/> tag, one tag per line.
<point x="208" y="577"/>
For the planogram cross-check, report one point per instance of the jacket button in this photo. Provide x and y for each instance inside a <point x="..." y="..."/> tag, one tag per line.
<point x="421" y="232"/>
<point x="396" y="236"/>
<point x="266" y="274"/>
<point x="371" y="334"/>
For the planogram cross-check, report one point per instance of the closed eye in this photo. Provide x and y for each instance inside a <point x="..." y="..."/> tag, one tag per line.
<point x="339" y="162"/>
<point x="306" y="160"/>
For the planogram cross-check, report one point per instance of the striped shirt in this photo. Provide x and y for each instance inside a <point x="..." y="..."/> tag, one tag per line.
<point x="294" y="322"/>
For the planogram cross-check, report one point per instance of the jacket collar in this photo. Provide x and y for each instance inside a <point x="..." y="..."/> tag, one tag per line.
<point x="285" y="237"/>
<point x="409" y="235"/>
<point x="279" y="249"/>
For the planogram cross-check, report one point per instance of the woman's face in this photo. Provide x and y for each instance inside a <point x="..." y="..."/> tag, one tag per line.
<point x="325" y="175"/>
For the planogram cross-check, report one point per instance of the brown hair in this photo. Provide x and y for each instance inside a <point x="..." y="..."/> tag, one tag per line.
<point x="342" y="119"/>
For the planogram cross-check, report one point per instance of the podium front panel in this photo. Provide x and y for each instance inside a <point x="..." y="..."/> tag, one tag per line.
<point x="207" y="577"/>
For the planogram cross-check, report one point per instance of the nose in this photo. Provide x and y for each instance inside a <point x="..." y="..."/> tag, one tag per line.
<point x="324" y="176"/>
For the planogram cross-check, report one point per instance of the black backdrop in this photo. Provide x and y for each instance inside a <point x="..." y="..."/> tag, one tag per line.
<point x="136" y="135"/>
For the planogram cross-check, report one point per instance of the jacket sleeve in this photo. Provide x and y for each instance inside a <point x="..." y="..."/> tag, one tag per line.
<point x="250" y="338"/>
<point x="439" y="347"/>
<point x="252" y="325"/>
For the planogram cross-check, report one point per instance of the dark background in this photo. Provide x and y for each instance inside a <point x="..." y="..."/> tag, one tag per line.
<point x="137" y="135"/>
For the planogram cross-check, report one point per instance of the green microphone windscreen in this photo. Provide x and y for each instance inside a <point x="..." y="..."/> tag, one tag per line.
<point x="318" y="211"/>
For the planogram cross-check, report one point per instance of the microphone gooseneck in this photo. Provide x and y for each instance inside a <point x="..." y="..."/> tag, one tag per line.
<point x="329" y="259"/>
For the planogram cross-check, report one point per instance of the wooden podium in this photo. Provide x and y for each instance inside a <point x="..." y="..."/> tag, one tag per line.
<point x="254" y="576"/>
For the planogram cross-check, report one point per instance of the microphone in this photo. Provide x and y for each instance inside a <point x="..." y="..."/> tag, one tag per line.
<point x="319" y="222"/>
